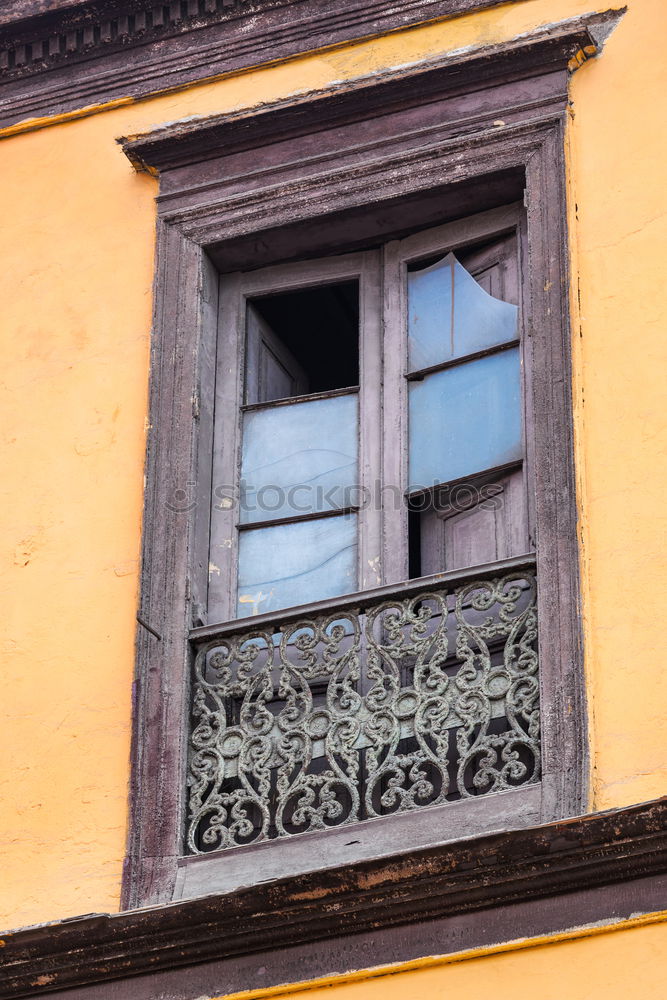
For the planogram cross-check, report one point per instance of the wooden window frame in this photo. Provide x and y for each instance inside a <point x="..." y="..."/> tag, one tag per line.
<point x="203" y="215"/>
<point x="382" y="531"/>
<point x="235" y="290"/>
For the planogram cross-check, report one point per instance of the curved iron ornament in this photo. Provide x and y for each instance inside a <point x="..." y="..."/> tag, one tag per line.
<point x="356" y="714"/>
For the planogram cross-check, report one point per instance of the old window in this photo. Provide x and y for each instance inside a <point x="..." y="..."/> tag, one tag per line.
<point x="466" y="406"/>
<point x="370" y="427"/>
<point x="431" y="686"/>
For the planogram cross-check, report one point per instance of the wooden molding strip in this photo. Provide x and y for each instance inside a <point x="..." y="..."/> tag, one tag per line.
<point x="82" y="53"/>
<point x="367" y="598"/>
<point x="479" y="874"/>
<point x="433" y="961"/>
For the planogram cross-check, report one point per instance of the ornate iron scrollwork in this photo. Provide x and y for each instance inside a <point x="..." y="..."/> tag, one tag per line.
<point x="410" y="701"/>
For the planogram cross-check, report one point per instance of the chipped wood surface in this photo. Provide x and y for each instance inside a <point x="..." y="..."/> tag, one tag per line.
<point x="432" y="901"/>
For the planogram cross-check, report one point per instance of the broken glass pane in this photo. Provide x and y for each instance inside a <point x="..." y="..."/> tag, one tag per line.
<point x="450" y="315"/>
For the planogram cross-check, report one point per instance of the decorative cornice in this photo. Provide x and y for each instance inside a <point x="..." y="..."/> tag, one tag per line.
<point x="100" y="52"/>
<point x="190" y="141"/>
<point x="216" y="175"/>
<point x="69" y="33"/>
<point x="48" y="37"/>
<point x="500" y="870"/>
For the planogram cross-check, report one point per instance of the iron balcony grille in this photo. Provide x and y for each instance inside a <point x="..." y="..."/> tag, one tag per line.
<point x="373" y="704"/>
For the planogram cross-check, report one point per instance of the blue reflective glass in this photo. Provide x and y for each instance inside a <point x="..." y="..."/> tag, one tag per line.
<point x="465" y="419"/>
<point x="450" y="315"/>
<point x="299" y="458"/>
<point x="289" y="564"/>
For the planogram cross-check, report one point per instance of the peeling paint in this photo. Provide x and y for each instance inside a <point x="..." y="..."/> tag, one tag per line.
<point x="127" y="568"/>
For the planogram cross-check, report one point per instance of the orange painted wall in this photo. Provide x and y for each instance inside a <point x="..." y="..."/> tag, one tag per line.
<point x="76" y="291"/>
<point x="626" y="964"/>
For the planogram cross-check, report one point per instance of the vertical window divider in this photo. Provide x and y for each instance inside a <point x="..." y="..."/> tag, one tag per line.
<point x="369" y="518"/>
<point x="204" y="410"/>
<point x="394" y="417"/>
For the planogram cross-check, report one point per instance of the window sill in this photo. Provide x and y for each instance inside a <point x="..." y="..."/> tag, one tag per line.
<point x="376" y="839"/>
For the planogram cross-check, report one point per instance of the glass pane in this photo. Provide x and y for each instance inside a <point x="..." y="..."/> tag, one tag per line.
<point x="450" y="315"/>
<point x="465" y="419"/>
<point x="299" y="458"/>
<point x="289" y="564"/>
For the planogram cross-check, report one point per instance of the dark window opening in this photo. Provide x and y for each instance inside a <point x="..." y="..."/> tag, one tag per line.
<point x="301" y="342"/>
<point x="414" y="544"/>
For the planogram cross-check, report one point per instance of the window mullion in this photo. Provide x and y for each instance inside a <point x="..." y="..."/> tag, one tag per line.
<point x="394" y="417"/>
<point x="529" y="483"/>
<point x="370" y="422"/>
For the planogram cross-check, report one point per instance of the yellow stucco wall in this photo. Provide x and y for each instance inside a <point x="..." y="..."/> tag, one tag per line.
<point x="615" y="964"/>
<point x="75" y="288"/>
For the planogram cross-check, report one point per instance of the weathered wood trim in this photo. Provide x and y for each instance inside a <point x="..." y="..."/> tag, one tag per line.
<point x="204" y="411"/>
<point x="440" y="899"/>
<point x="163" y="667"/>
<point x="90" y="29"/>
<point x="565" y="754"/>
<point x="368" y="598"/>
<point x="221" y="599"/>
<point x="406" y="171"/>
<point x="572" y="916"/>
<point x="203" y="874"/>
<point x="81" y="73"/>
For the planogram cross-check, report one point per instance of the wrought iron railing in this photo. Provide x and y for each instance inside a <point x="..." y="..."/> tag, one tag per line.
<point x="364" y="706"/>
